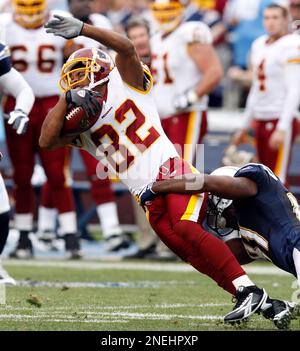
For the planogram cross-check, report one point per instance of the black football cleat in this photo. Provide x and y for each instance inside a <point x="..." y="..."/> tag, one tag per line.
<point x="24" y="249"/>
<point x="281" y="312"/>
<point x="142" y="253"/>
<point x="115" y="243"/>
<point x="248" y="300"/>
<point x="72" y="246"/>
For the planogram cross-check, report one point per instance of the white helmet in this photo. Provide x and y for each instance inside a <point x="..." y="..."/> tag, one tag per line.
<point x="217" y="205"/>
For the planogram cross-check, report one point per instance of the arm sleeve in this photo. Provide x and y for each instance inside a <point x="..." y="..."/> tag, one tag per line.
<point x="196" y="32"/>
<point x="292" y="98"/>
<point x="258" y="173"/>
<point x="291" y="78"/>
<point x="14" y="84"/>
<point x="5" y="60"/>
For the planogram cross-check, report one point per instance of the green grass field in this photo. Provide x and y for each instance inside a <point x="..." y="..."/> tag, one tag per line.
<point x="59" y="295"/>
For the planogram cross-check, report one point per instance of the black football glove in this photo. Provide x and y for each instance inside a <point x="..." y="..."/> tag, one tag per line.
<point x="87" y="99"/>
<point x="146" y="194"/>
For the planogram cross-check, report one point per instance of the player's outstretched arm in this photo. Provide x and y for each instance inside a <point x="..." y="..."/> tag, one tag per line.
<point x="222" y="186"/>
<point x="127" y="59"/>
<point x="12" y="83"/>
<point x="50" y="137"/>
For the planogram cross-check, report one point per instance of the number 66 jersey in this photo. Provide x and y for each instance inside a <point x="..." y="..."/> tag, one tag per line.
<point x="37" y="55"/>
<point x="128" y="137"/>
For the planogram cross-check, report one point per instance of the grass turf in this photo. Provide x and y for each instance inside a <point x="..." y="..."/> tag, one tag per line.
<point x="125" y="300"/>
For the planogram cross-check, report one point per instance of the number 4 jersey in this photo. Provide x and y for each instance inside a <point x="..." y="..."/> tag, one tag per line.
<point x="128" y="137"/>
<point x="276" y="67"/>
<point x="37" y="55"/>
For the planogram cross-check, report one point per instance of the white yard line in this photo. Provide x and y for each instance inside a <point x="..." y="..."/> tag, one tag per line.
<point x="95" y="309"/>
<point x="108" y="317"/>
<point x="137" y="266"/>
<point x="49" y="318"/>
<point x="137" y="284"/>
<point x="157" y="316"/>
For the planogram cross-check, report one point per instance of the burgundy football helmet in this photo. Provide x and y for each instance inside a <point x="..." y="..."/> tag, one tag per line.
<point x="90" y="63"/>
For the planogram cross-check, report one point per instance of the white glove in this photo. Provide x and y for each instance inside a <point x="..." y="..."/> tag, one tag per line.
<point x="235" y="157"/>
<point x="19" y="121"/>
<point x="183" y="101"/>
<point x="1" y="156"/>
<point x="66" y="27"/>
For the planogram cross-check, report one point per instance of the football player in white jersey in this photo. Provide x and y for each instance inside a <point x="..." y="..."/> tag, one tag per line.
<point x="11" y="82"/>
<point x="275" y="92"/>
<point x="114" y="238"/>
<point x="38" y="58"/>
<point x="130" y="142"/>
<point x="185" y="69"/>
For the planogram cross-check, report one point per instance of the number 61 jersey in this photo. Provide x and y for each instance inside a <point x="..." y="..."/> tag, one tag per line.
<point x="128" y="137"/>
<point x="37" y="55"/>
<point x="173" y="69"/>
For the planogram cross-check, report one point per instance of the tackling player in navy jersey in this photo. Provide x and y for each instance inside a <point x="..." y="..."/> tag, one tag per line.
<point x="11" y="82"/>
<point x="261" y="219"/>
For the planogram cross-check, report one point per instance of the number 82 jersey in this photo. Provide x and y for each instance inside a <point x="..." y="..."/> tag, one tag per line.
<point x="128" y="137"/>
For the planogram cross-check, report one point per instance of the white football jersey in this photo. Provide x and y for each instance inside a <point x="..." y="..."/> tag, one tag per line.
<point x="173" y="70"/>
<point x="37" y="55"/>
<point x="268" y="62"/>
<point x="96" y="20"/>
<point x="128" y="137"/>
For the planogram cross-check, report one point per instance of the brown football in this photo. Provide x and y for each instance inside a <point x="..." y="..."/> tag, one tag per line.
<point x="77" y="121"/>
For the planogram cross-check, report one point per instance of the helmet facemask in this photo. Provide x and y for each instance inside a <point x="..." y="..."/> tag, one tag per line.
<point x="79" y="68"/>
<point x="30" y="14"/>
<point x="220" y="216"/>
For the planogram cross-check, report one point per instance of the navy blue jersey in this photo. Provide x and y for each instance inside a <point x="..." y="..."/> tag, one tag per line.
<point x="5" y="60"/>
<point x="270" y="219"/>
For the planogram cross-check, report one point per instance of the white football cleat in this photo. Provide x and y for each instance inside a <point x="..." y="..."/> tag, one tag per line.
<point x="5" y="278"/>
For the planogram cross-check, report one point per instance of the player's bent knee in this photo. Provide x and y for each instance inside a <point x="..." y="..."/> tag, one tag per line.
<point x="189" y="231"/>
<point x="22" y="179"/>
<point x="57" y="182"/>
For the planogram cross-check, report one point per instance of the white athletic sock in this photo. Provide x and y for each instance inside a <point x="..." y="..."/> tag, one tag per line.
<point x="244" y="280"/>
<point x="47" y="219"/>
<point x="67" y="222"/>
<point x="108" y="216"/>
<point x="23" y="221"/>
<point x="296" y="257"/>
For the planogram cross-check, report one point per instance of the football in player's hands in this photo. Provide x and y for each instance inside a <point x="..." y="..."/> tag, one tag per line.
<point x="84" y="108"/>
